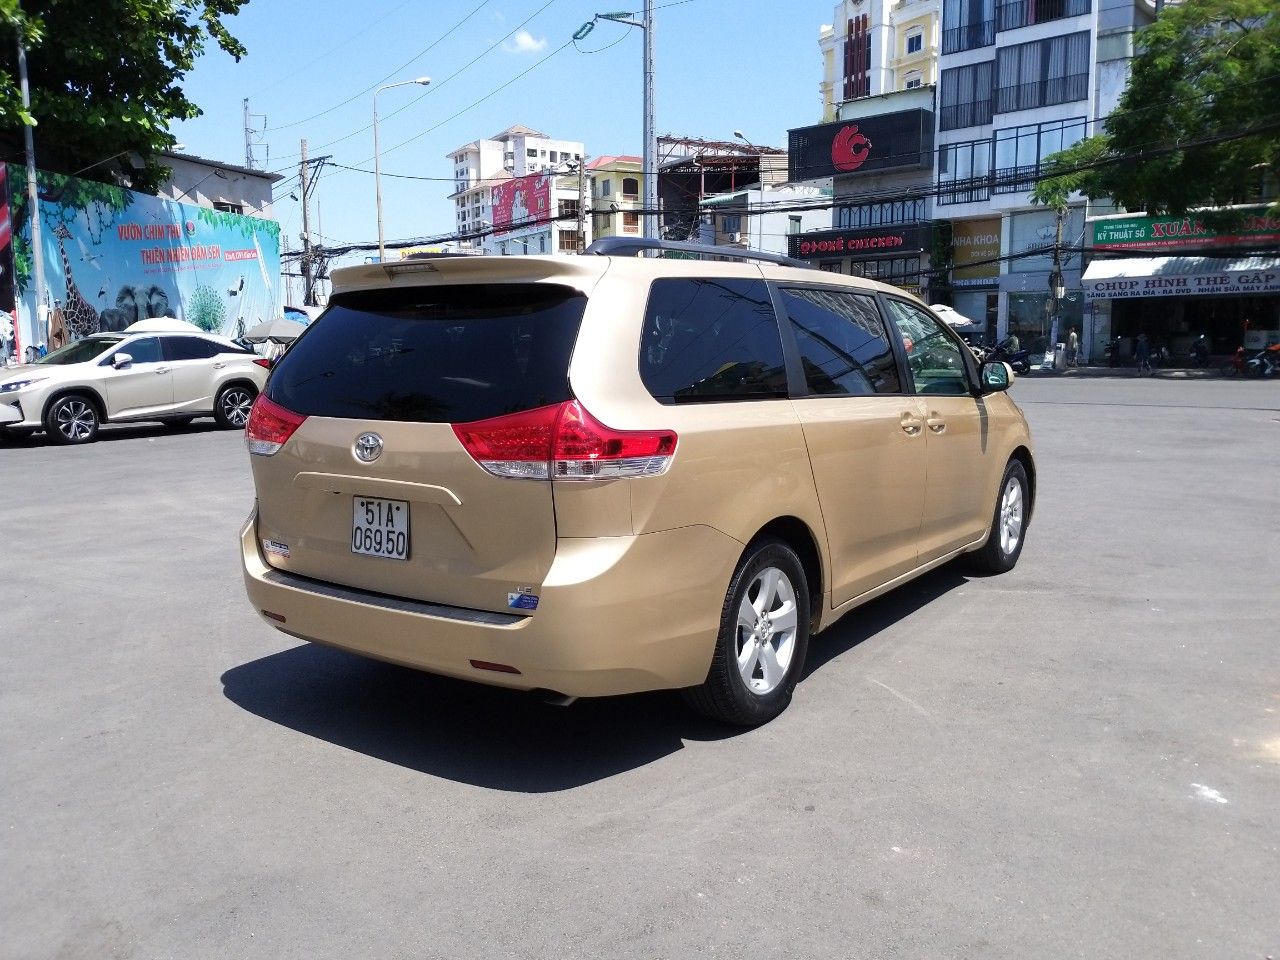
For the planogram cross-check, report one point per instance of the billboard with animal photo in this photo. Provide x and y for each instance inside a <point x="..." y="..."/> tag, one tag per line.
<point x="113" y="256"/>
<point x="524" y="201"/>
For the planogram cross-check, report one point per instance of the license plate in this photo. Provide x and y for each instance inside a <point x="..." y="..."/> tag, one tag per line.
<point x="380" y="528"/>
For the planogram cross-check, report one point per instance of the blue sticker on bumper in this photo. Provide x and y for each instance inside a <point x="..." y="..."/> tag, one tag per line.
<point x="522" y="601"/>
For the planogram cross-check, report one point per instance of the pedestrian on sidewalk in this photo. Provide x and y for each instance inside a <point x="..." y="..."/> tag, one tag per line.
<point x="1073" y="347"/>
<point x="1143" y="351"/>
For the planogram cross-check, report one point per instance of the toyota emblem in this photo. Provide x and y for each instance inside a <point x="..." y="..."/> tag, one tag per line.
<point x="368" y="447"/>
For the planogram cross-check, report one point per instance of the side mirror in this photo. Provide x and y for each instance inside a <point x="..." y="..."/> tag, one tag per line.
<point x="121" y="360"/>
<point x="997" y="376"/>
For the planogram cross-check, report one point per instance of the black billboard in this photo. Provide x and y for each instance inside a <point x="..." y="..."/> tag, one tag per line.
<point x="889" y="141"/>
<point x="865" y="244"/>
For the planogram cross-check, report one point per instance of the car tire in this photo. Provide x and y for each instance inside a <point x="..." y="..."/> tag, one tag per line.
<point x="1009" y="523"/>
<point x="764" y="636"/>
<point x="231" y="405"/>
<point x="71" y="419"/>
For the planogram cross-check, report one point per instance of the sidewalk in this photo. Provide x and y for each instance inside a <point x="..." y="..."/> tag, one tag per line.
<point x="1131" y="372"/>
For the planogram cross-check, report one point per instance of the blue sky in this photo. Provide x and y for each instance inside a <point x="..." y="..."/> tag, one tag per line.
<point x="722" y="65"/>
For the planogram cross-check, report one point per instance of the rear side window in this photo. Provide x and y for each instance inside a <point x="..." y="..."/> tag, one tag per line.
<point x="711" y="339"/>
<point x="144" y="350"/>
<point x="447" y="354"/>
<point x="844" y="347"/>
<point x="188" y="348"/>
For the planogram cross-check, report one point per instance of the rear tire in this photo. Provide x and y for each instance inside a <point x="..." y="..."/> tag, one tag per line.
<point x="1008" y="524"/>
<point x="763" y="639"/>
<point x="231" y="406"/>
<point x="71" y="419"/>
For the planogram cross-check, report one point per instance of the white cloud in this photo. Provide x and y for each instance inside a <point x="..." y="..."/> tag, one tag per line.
<point x="525" y="42"/>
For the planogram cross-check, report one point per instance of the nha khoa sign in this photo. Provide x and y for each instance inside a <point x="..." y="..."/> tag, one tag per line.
<point x="113" y="256"/>
<point x="976" y="260"/>
<point x="1171" y="233"/>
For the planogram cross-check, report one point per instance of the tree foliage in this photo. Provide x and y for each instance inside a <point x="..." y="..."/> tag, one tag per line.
<point x="1206" y="70"/>
<point x="106" y="79"/>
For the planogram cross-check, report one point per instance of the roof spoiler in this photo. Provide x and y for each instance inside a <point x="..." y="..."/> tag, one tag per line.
<point x="630" y="246"/>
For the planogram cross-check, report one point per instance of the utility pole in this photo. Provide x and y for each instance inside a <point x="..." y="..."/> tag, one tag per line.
<point x="651" y="221"/>
<point x="582" y="205"/>
<point x="33" y="201"/>
<point x="308" y="298"/>
<point x="1057" y="286"/>
<point x="248" y="133"/>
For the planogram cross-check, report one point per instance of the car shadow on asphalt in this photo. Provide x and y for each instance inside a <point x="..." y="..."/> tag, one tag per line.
<point x="501" y="739"/>
<point x="112" y="433"/>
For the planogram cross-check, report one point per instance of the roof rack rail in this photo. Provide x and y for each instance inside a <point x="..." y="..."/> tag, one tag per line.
<point x="630" y="246"/>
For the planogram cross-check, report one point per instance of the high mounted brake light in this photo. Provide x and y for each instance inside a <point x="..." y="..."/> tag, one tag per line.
<point x="564" y="442"/>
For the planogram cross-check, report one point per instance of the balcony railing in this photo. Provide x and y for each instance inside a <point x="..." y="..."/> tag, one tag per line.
<point x="968" y="114"/>
<point x="1015" y="179"/>
<point x="1042" y="93"/>
<point x="1022" y="13"/>
<point x="969" y="36"/>
<point x="971" y="190"/>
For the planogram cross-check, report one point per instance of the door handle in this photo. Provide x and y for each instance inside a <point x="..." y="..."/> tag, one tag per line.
<point x="911" y="425"/>
<point x="219" y="365"/>
<point x="937" y="424"/>
<point x="162" y="369"/>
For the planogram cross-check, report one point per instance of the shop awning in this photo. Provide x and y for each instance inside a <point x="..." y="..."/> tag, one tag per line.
<point x="1118" y="279"/>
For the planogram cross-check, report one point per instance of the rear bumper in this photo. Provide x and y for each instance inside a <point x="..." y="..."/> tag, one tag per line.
<point x="615" y="615"/>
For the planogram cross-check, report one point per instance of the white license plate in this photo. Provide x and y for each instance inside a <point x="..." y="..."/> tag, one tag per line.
<point x="380" y="528"/>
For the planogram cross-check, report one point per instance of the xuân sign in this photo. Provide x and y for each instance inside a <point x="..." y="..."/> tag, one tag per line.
<point x="1172" y="233"/>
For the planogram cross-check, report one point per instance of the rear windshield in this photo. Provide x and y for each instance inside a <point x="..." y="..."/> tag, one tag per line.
<point x="446" y="354"/>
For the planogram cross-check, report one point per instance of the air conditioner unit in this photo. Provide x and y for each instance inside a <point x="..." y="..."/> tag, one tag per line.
<point x="735" y="238"/>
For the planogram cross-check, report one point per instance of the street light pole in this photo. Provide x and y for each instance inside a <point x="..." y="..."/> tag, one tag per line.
<point x="377" y="160"/>
<point x="33" y="200"/>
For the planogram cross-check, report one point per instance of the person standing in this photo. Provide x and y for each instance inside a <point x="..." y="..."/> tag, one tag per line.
<point x="1143" y="351"/>
<point x="1073" y="347"/>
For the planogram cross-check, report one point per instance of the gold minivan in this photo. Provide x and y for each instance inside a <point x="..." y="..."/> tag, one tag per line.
<point x="603" y="474"/>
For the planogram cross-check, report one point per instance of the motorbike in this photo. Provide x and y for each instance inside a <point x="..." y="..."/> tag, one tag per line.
<point x="1264" y="363"/>
<point x="1200" y="352"/>
<point x="1020" y="360"/>
<point x="1112" y="352"/>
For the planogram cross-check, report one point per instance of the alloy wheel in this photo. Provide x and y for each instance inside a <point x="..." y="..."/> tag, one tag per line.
<point x="236" y="404"/>
<point x="1011" y="516"/>
<point x="766" y="631"/>
<point x="76" y="420"/>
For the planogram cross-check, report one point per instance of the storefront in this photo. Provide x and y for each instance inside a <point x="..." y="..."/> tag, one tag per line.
<point x="891" y="255"/>
<point x="1234" y="300"/>
<point x="1030" y="313"/>
<point x="975" y="273"/>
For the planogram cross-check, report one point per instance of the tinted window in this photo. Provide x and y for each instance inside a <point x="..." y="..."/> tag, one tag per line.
<point x="448" y="354"/>
<point x="80" y="351"/>
<point x="144" y="350"/>
<point x="934" y="354"/>
<point x="188" y="348"/>
<point x="842" y="342"/>
<point x="711" y="339"/>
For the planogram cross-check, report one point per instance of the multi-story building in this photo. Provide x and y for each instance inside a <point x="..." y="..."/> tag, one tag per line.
<point x="539" y="213"/>
<point x="478" y="166"/>
<point x="616" y="196"/>
<point x="784" y="211"/>
<point x="1020" y="80"/>
<point x="877" y="46"/>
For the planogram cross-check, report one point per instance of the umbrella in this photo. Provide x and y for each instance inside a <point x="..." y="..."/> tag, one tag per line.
<point x="277" y="331"/>
<point x="953" y="317"/>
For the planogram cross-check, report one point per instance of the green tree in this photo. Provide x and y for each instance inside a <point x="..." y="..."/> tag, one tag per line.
<point x="106" y="79"/>
<point x="1206" y="70"/>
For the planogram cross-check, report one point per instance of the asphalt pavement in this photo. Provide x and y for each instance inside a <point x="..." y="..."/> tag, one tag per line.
<point x="1078" y="759"/>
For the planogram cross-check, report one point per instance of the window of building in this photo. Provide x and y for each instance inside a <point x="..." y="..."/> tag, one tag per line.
<point x="731" y="223"/>
<point x="630" y="188"/>
<point x="1043" y="72"/>
<point x="531" y="152"/>
<point x="857" y="58"/>
<point x="606" y="188"/>
<point x="915" y="41"/>
<point x="963" y="172"/>
<point x="843" y="345"/>
<point x="914" y="79"/>
<point x="967" y="24"/>
<point x="555" y="156"/>
<point x="794" y="224"/>
<point x="887" y="213"/>
<point x="630" y="222"/>
<point x="569" y="241"/>
<point x="1011" y="14"/>
<point x="934" y="355"/>
<point x="1019" y="151"/>
<point x="568" y="208"/>
<point x="964" y="99"/>
<point x="542" y="243"/>
<point x="226" y="207"/>
<point x="711" y="339"/>
<point x="899" y="271"/>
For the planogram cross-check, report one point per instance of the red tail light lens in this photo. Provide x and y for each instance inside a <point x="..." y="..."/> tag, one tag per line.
<point x="564" y="442"/>
<point x="270" y="426"/>
<point x="263" y="362"/>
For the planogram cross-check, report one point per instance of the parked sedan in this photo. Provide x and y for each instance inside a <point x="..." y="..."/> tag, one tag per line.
<point x="119" y="377"/>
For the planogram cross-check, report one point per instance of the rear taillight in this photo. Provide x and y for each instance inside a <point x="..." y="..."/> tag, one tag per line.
<point x="263" y="362"/>
<point x="564" y="442"/>
<point x="269" y="426"/>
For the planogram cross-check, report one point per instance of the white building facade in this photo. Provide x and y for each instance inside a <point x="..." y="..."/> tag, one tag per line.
<point x="789" y="210"/>
<point x="516" y="152"/>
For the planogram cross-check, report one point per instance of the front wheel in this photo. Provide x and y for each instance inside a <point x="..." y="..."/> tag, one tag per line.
<point x="232" y="405"/>
<point x="1008" y="525"/>
<point x="764" y="636"/>
<point x="71" y="419"/>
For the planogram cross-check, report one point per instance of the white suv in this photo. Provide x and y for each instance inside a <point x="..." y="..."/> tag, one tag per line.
<point x="170" y="377"/>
